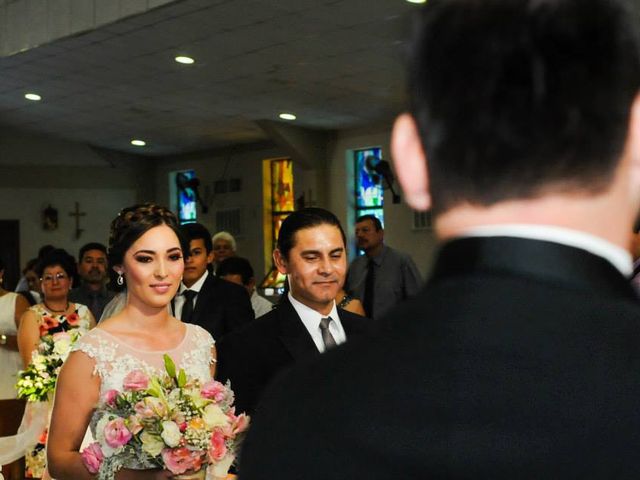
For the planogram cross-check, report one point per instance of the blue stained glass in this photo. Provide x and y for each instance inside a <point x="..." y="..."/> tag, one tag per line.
<point x="187" y="201"/>
<point x="369" y="190"/>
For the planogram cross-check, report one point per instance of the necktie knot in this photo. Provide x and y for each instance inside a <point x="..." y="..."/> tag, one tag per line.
<point x="187" y="307"/>
<point x="189" y="294"/>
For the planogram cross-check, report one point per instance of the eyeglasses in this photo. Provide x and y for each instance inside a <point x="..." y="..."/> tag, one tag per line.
<point x="58" y="276"/>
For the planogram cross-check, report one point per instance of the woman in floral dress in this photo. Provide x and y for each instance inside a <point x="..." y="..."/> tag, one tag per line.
<point x="55" y="314"/>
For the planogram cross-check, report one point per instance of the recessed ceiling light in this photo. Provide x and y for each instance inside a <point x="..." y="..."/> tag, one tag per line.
<point x="138" y="143"/>
<point x="287" y="116"/>
<point x="32" y="96"/>
<point x="185" y="60"/>
<point x="417" y="1"/>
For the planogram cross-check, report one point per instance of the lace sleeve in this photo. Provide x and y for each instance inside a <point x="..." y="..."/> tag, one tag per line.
<point x="99" y="350"/>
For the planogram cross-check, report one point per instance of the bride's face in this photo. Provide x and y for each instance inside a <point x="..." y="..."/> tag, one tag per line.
<point x="153" y="267"/>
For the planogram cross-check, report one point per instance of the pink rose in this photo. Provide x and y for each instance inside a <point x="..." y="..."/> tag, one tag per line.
<point x="110" y="397"/>
<point x="241" y="423"/>
<point x="73" y="319"/>
<point x="61" y="335"/>
<point x="135" y="381"/>
<point x="181" y="459"/>
<point x="214" y="391"/>
<point x="134" y="424"/>
<point x="217" y="447"/>
<point x="92" y="457"/>
<point x="116" y="433"/>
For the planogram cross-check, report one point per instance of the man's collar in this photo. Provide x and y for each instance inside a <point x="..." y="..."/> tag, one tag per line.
<point x="196" y="287"/>
<point x="305" y="311"/>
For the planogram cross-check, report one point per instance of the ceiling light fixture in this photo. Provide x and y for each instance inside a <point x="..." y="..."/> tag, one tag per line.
<point x="417" y="1"/>
<point x="33" y="97"/>
<point x="287" y="116"/>
<point x="138" y="143"/>
<point x="185" y="60"/>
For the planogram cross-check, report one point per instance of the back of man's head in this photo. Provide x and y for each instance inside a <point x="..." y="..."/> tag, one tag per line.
<point x="195" y="231"/>
<point x="236" y="266"/>
<point x="516" y="98"/>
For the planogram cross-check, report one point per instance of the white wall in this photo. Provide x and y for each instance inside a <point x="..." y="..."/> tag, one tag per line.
<point x="27" y="204"/>
<point x="37" y="171"/>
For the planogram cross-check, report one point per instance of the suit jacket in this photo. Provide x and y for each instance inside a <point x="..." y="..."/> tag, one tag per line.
<point x="251" y="357"/>
<point x="221" y="307"/>
<point x="519" y="359"/>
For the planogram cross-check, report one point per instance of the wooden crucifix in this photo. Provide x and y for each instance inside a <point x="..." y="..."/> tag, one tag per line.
<point x="77" y="213"/>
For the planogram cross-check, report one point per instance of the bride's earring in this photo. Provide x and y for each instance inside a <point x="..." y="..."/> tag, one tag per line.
<point x="120" y="279"/>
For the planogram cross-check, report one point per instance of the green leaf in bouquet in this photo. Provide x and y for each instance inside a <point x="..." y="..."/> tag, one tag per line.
<point x="169" y="366"/>
<point x="182" y="378"/>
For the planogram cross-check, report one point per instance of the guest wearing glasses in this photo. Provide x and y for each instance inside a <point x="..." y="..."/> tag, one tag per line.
<point x="54" y="314"/>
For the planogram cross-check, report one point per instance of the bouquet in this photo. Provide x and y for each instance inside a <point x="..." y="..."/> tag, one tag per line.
<point x="169" y="421"/>
<point x="38" y="380"/>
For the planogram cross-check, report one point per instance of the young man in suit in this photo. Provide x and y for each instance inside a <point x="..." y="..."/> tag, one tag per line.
<point x="521" y="357"/>
<point x="203" y="299"/>
<point x="311" y="251"/>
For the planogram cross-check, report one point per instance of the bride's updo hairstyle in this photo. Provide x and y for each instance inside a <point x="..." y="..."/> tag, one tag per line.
<point x="133" y="222"/>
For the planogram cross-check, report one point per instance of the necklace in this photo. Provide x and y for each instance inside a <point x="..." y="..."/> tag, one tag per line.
<point x="56" y="311"/>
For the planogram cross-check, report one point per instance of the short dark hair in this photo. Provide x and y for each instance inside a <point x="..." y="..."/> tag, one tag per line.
<point x="236" y="266"/>
<point x="91" y="246"/>
<point x="133" y="222"/>
<point x="376" y="221"/>
<point x="514" y="98"/>
<point x="301" y="219"/>
<point x="196" y="231"/>
<point x="43" y="250"/>
<point x="57" y="256"/>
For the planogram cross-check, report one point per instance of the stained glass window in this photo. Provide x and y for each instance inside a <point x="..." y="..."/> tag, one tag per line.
<point x="280" y="202"/>
<point x="368" y="188"/>
<point x="185" y="197"/>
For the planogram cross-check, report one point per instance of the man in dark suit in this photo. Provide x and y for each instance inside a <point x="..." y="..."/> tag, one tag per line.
<point x="521" y="357"/>
<point x="203" y="299"/>
<point x="311" y="252"/>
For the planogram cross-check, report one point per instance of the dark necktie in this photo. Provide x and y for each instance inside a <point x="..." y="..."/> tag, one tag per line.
<point x="369" y="285"/>
<point x="94" y="305"/>
<point x="187" y="307"/>
<point x="327" y="338"/>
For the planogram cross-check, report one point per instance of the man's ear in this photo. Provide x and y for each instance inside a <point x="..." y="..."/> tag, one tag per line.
<point x="211" y="257"/>
<point x="280" y="262"/>
<point x="410" y="162"/>
<point x="633" y="144"/>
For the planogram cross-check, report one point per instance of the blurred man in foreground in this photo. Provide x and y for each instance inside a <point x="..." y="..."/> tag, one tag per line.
<point x="520" y="358"/>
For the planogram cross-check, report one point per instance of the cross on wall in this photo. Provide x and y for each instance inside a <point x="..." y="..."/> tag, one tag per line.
<point x="77" y="213"/>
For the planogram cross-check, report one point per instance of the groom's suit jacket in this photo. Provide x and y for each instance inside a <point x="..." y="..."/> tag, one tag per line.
<point x="221" y="307"/>
<point x="251" y="357"/>
<point x="519" y="359"/>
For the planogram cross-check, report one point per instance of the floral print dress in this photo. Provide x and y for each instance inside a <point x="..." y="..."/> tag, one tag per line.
<point x="52" y="323"/>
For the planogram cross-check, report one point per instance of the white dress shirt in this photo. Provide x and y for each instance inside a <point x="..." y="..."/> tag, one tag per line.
<point x="178" y="300"/>
<point x="311" y="320"/>
<point x="617" y="256"/>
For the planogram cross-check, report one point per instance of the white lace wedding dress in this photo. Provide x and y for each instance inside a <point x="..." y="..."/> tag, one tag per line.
<point x="114" y="359"/>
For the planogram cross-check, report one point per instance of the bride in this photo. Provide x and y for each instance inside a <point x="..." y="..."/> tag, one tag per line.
<point x="147" y="251"/>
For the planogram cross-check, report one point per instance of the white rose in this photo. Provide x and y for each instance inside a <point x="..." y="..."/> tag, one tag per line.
<point x="151" y="444"/>
<point x="213" y="416"/>
<point x="62" y="346"/>
<point x="170" y="433"/>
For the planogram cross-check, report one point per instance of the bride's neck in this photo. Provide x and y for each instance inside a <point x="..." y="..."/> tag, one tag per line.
<point x="147" y="316"/>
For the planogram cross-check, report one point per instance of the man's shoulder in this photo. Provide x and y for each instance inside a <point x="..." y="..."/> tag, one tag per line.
<point x="260" y="328"/>
<point x="356" y="323"/>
